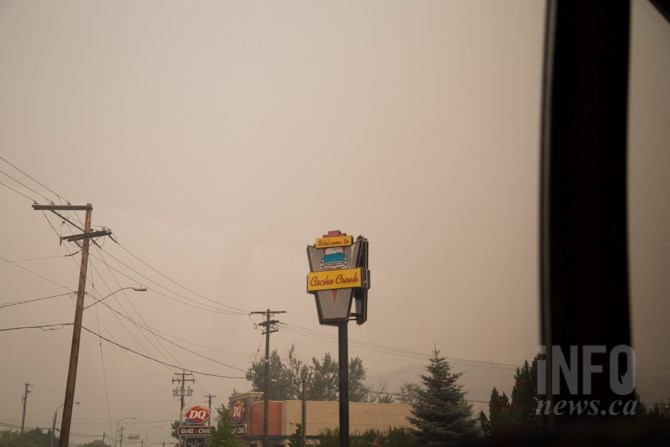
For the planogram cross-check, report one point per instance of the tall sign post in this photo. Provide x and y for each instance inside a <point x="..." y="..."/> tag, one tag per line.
<point x="339" y="275"/>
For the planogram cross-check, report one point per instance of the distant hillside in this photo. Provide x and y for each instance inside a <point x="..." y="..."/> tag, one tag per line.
<point x="477" y="380"/>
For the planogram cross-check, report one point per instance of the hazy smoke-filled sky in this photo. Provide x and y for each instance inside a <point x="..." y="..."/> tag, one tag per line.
<point x="217" y="139"/>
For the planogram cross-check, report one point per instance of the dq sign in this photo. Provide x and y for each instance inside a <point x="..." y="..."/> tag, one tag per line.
<point x="237" y="412"/>
<point x="197" y="415"/>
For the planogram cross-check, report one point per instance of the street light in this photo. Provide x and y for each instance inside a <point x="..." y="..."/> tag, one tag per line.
<point x="146" y="437"/>
<point x="135" y="288"/>
<point x="116" y="432"/>
<point x="53" y="425"/>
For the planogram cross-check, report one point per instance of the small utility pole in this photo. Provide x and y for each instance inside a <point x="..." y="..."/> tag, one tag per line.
<point x="269" y="328"/>
<point x="209" y="401"/>
<point x="79" y="310"/>
<point x="304" y="411"/>
<point x="121" y="437"/>
<point x="24" y="400"/>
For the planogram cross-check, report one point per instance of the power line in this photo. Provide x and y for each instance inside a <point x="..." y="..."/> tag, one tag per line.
<point x="60" y="197"/>
<point x="41" y="326"/>
<point x="130" y="358"/>
<point x="208" y="307"/>
<point x="148" y="329"/>
<point x="239" y="310"/>
<point x="18" y="192"/>
<point x="156" y="360"/>
<point x="36" y="274"/>
<point x="33" y="300"/>
<point x="383" y="349"/>
<point x="31" y="178"/>
<point x="17" y="261"/>
<point x="136" y="311"/>
<point x="25" y="186"/>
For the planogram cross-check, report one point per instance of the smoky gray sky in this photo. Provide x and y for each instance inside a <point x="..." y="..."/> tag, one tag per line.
<point x="218" y="139"/>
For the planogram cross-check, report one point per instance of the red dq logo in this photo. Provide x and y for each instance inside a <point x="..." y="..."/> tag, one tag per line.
<point x="196" y="415"/>
<point x="238" y="411"/>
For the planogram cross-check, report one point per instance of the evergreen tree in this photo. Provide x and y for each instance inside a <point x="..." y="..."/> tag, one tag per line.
<point x="500" y="415"/>
<point x="520" y="414"/>
<point x="524" y="397"/>
<point x="441" y="416"/>
<point x="223" y="435"/>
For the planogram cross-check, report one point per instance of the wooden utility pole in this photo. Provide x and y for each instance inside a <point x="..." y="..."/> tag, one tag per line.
<point x="181" y="391"/>
<point x="24" y="399"/>
<point x="304" y="411"/>
<point x="209" y="401"/>
<point x="79" y="310"/>
<point x="76" y="336"/>
<point x="269" y="328"/>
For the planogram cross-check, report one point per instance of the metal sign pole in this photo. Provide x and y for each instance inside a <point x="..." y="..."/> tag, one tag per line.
<point x="343" y="336"/>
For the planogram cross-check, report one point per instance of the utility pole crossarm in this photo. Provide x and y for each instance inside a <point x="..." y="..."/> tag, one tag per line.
<point x="52" y="207"/>
<point x="77" y="237"/>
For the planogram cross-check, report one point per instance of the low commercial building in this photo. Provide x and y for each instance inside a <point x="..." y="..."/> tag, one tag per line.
<point x="284" y="417"/>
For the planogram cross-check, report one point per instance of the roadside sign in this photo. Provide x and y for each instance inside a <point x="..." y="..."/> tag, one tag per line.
<point x="186" y="430"/>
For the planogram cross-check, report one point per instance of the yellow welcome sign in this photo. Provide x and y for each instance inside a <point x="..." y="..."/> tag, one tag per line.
<point x="334" y="241"/>
<point x="334" y="279"/>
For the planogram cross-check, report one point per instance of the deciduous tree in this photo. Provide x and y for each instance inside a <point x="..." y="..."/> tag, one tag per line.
<point x="223" y="435"/>
<point x="320" y="377"/>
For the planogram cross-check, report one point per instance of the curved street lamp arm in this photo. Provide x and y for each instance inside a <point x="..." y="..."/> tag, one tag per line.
<point x="135" y="288"/>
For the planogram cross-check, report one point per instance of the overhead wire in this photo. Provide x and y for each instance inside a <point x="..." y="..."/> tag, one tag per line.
<point x="120" y="322"/>
<point x="144" y="326"/>
<point x="221" y="308"/>
<point x="38" y="326"/>
<point x="189" y="304"/>
<point x="35" y="273"/>
<point x="131" y="359"/>
<point x="242" y="311"/>
<point x="31" y="178"/>
<point x="18" y="192"/>
<point x="25" y="186"/>
<point x="60" y="198"/>
<point x="151" y="330"/>
<point x="102" y="363"/>
<point x="297" y="330"/>
<point x="33" y="300"/>
<point x="159" y="361"/>
<point x="45" y="258"/>
<point x="104" y="378"/>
